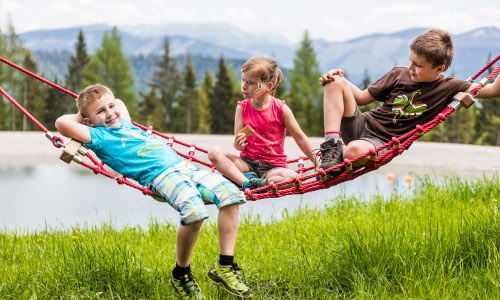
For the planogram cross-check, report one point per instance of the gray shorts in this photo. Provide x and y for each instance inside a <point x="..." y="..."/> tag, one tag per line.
<point x="358" y="128"/>
<point x="260" y="168"/>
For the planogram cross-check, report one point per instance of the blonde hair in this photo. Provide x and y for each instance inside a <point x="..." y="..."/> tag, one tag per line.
<point x="436" y="46"/>
<point x="264" y="70"/>
<point x="89" y="95"/>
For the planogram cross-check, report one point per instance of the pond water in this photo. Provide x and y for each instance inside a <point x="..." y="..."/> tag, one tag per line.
<point x="60" y="196"/>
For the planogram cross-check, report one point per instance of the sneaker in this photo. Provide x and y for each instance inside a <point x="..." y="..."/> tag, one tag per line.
<point x="187" y="287"/>
<point x="230" y="278"/>
<point x="252" y="183"/>
<point x="331" y="155"/>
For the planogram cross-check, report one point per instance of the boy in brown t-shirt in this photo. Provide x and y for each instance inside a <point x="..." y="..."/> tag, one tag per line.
<point x="410" y="96"/>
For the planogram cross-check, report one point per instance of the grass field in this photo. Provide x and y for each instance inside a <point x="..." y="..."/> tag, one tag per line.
<point x="440" y="241"/>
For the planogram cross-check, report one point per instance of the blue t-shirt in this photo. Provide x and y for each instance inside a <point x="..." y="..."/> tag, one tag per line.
<point x="132" y="152"/>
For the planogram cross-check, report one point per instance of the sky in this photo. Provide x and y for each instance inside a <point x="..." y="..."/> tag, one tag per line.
<point x="331" y="20"/>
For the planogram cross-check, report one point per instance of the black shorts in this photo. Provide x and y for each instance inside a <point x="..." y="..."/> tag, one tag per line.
<point x="358" y="128"/>
<point x="260" y="168"/>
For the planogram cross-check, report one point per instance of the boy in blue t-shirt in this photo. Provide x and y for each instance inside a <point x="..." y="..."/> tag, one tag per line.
<point x="104" y="125"/>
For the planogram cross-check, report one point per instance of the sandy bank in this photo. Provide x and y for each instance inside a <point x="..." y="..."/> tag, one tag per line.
<point x="27" y="148"/>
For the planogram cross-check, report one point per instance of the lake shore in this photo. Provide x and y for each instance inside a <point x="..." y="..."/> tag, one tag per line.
<point x="29" y="148"/>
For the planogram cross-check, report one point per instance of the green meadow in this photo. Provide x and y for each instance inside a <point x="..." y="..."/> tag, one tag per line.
<point x="441" y="240"/>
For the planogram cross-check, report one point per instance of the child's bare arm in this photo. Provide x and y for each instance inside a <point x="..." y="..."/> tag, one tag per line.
<point x="298" y="135"/>
<point x="489" y="91"/>
<point x="71" y="126"/>
<point x="362" y="97"/>
<point x="240" y="140"/>
<point x="124" y="111"/>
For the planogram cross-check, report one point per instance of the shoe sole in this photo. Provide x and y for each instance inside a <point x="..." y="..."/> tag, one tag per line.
<point x="332" y="174"/>
<point x="218" y="281"/>
<point x="175" y="289"/>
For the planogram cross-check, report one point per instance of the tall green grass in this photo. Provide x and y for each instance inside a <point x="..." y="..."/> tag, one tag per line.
<point x="439" y="241"/>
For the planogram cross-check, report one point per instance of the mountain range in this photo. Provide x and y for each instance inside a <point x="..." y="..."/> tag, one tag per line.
<point x="374" y="54"/>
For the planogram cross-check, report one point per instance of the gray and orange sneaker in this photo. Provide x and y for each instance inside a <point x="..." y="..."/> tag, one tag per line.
<point x="187" y="287"/>
<point x="331" y="155"/>
<point x="230" y="278"/>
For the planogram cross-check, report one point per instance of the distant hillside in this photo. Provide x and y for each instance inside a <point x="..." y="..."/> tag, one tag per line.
<point x="375" y="53"/>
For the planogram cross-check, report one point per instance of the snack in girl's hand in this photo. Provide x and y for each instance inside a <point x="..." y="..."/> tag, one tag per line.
<point x="247" y="131"/>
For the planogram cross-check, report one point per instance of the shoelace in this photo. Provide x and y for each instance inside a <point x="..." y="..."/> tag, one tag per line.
<point x="316" y="152"/>
<point x="328" y="153"/>
<point x="233" y="275"/>
<point x="190" y="286"/>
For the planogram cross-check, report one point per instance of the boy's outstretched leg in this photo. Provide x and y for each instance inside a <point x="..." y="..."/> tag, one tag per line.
<point x="225" y="271"/>
<point x="183" y="280"/>
<point x="338" y="102"/>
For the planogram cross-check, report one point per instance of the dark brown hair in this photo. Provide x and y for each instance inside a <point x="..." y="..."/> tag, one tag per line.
<point x="436" y="46"/>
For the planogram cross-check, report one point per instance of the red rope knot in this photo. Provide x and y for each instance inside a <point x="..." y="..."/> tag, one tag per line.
<point x="191" y="152"/>
<point x="150" y="130"/>
<point x="420" y="130"/>
<point x="57" y="141"/>
<point x="301" y="163"/>
<point x="273" y="188"/>
<point x="170" y="142"/>
<point x="373" y="154"/>
<point x="322" y="174"/>
<point x="348" y="164"/>
<point x="395" y="142"/>
<point x="121" y="180"/>
<point x="248" y="193"/>
<point x="297" y="182"/>
<point x="441" y="117"/>
<point x="212" y="169"/>
<point x="145" y="191"/>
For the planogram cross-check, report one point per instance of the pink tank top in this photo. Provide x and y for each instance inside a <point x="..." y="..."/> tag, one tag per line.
<point x="267" y="143"/>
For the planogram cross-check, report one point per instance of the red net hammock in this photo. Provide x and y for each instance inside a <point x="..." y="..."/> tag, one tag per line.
<point x="305" y="180"/>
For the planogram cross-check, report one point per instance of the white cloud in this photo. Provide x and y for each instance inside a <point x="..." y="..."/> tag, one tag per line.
<point x="326" y="19"/>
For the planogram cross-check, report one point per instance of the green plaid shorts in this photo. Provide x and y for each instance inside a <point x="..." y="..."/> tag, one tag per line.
<point x="185" y="187"/>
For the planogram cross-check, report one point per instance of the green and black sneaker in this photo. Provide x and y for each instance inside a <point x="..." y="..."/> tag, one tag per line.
<point x="230" y="278"/>
<point x="187" y="287"/>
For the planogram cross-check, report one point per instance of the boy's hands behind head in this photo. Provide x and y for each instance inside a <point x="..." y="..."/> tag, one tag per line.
<point x="328" y="77"/>
<point x="240" y="141"/>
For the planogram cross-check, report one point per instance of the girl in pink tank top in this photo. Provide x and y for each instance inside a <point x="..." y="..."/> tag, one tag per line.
<point x="264" y="121"/>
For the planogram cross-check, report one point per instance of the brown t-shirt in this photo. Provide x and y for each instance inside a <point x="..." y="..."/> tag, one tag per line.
<point x="407" y="103"/>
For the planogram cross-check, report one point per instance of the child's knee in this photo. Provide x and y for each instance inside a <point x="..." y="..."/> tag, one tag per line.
<point x="356" y="148"/>
<point x="338" y="81"/>
<point x="214" y="153"/>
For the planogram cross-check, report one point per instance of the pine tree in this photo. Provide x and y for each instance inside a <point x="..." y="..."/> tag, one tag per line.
<point x="364" y="85"/>
<point x="306" y="95"/>
<point x="111" y="68"/>
<point x="149" y="110"/>
<point x="281" y="92"/>
<point x="3" y="80"/>
<point x="57" y="104"/>
<point x="15" y="53"/>
<point x="74" y="79"/>
<point x="206" y="96"/>
<point x="489" y="125"/>
<point x="189" y="95"/>
<point x="32" y="98"/>
<point x="221" y="106"/>
<point x="166" y="81"/>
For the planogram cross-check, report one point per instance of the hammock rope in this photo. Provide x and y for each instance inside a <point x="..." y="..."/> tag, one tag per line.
<point x="301" y="183"/>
